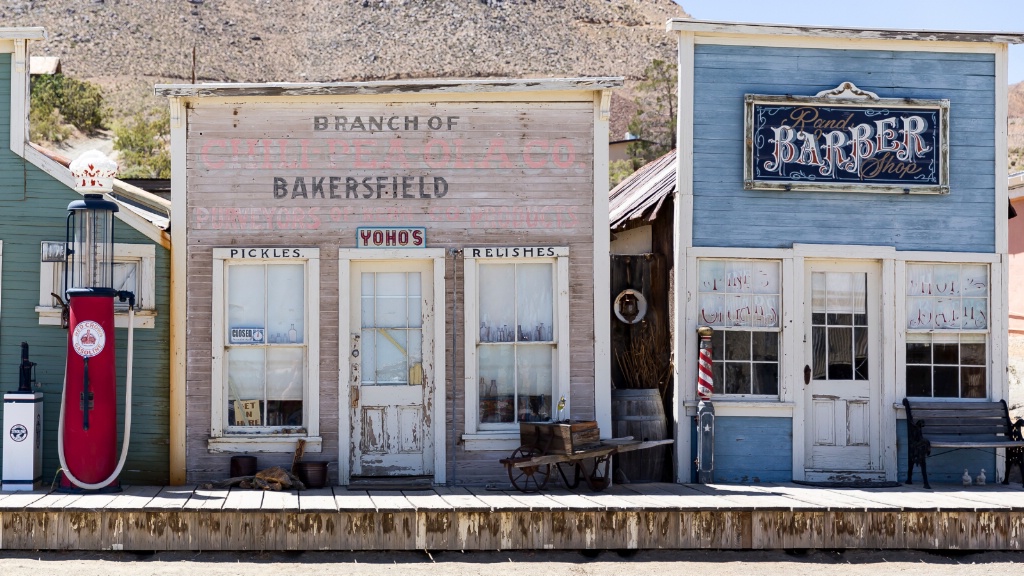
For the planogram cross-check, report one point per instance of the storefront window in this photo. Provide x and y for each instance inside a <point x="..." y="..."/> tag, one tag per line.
<point x="516" y="350"/>
<point x="947" y="330"/>
<point x="266" y="345"/>
<point x="741" y="300"/>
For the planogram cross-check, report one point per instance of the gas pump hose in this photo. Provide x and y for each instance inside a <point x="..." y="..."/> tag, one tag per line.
<point x="127" y="417"/>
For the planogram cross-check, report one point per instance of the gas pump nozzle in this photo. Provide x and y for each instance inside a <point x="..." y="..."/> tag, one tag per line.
<point x="26" y="372"/>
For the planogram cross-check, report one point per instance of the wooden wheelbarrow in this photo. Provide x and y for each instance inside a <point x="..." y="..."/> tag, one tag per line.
<point x="574" y="447"/>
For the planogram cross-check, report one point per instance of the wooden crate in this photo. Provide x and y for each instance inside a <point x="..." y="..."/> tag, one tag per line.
<point x="560" y="437"/>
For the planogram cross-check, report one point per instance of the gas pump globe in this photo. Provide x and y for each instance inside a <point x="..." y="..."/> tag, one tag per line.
<point x="87" y="441"/>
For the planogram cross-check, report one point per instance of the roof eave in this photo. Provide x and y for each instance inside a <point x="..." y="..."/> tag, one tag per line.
<point x="435" y="86"/>
<point x="721" y="27"/>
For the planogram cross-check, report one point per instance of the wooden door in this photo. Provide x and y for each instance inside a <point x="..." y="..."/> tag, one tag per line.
<point x="843" y="355"/>
<point x="392" y="380"/>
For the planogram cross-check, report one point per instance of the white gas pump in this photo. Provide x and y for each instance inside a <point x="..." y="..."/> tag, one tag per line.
<point x="23" y="431"/>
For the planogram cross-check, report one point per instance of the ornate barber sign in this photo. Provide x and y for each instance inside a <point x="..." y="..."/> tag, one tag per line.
<point x="846" y="139"/>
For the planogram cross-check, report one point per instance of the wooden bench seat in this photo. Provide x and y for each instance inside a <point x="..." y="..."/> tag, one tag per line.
<point x="961" y="424"/>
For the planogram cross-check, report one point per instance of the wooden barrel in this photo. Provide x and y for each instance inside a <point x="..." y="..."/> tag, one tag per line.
<point x="639" y="413"/>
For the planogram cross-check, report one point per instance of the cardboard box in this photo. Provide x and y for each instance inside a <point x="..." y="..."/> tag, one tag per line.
<point x="560" y="437"/>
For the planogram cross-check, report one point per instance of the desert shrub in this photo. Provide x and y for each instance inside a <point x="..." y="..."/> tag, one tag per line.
<point x="143" y="145"/>
<point x="80" y="103"/>
<point x="47" y="126"/>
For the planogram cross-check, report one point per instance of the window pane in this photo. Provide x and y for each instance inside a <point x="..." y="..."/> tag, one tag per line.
<point x="975" y="313"/>
<point x="766" y="346"/>
<point x="860" y="353"/>
<point x="765" y="277"/>
<point x="246" y="296"/>
<point x="737" y="345"/>
<point x="974" y="280"/>
<point x="391" y="305"/>
<point x="972" y="381"/>
<point x="840" y="353"/>
<point x="497" y="293"/>
<point x="737" y="276"/>
<point x="533" y="300"/>
<point x="125" y="278"/>
<point x="286" y="298"/>
<point x="285" y="385"/>
<point x="497" y="383"/>
<point x="819" y="352"/>
<point x="285" y="373"/>
<point x="717" y="344"/>
<point x="712" y="310"/>
<point x="946" y="353"/>
<point x="392" y="359"/>
<point x="919" y="381"/>
<point x="712" y="276"/>
<point x="245" y="373"/>
<point x="766" y="379"/>
<point x="972" y="352"/>
<point x="737" y="378"/>
<point x="919" y="353"/>
<point x="946" y="381"/>
<point x="535" y="368"/>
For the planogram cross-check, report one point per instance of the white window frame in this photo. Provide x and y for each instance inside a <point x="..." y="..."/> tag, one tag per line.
<point x="993" y="365"/>
<point x="507" y="439"/>
<point x="262" y="441"/>
<point x="143" y="255"/>
<point x="719" y="389"/>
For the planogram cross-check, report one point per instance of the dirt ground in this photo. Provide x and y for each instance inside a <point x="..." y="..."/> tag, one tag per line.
<point x="553" y="563"/>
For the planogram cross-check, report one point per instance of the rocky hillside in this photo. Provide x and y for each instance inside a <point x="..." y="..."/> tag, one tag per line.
<point x="126" y="46"/>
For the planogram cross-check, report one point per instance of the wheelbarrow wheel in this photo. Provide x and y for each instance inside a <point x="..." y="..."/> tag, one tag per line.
<point x="528" y="478"/>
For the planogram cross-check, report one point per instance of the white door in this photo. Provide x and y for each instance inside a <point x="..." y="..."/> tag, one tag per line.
<point x="392" y="381"/>
<point x="842" y="374"/>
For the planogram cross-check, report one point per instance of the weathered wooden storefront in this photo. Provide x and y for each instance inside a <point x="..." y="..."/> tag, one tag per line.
<point x="842" y="225"/>
<point x="396" y="272"/>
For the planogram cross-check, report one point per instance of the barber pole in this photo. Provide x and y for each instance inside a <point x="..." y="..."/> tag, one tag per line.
<point x="705" y="377"/>
<point x="705" y="410"/>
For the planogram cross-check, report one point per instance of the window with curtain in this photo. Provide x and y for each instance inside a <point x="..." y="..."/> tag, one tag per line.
<point x="266" y="345"/>
<point x="516" y="346"/>
<point x="741" y="301"/>
<point x="947" y="330"/>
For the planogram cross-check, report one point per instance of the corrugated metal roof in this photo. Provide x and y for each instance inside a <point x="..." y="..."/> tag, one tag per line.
<point x="643" y="193"/>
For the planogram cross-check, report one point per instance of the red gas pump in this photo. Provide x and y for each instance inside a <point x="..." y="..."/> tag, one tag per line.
<point x="87" y="440"/>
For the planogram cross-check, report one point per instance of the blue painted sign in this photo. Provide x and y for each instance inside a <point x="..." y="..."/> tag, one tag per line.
<point x="814" y="144"/>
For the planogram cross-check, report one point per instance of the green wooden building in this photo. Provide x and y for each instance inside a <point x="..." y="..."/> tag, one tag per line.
<point x="35" y="189"/>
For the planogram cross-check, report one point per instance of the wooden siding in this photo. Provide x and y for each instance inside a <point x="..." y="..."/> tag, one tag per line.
<point x="779" y="516"/>
<point x="33" y="207"/>
<point x="752" y="450"/>
<point x="963" y="221"/>
<point x="504" y="188"/>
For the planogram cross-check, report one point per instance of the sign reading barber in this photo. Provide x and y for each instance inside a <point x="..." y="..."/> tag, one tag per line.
<point x="846" y="140"/>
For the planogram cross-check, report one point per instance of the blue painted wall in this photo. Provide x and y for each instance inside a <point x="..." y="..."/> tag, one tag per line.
<point x="33" y="207"/>
<point x="945" y="465"/>
<point x="750" y="449"/>
<point x="726" y="215"/>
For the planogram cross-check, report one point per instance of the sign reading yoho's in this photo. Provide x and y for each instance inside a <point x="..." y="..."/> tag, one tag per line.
<point x="848" y="140"/>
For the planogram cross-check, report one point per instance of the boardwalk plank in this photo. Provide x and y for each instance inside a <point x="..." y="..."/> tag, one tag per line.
<point x="207" y="499"/>
<point x="353" y="500"/>
<point x="133" y="498"/>
<point x="172" y="498"/>
<point x="317" y="500"/>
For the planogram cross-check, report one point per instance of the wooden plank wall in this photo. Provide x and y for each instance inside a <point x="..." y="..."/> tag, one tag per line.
<point x="726" y="215"/>
<point x="33" y="208"/>
<point x="149" y="518"/>
<point x="517" y="174"/>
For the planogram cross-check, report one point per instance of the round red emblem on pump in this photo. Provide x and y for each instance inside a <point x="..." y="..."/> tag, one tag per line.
<point x="88" y="339"/>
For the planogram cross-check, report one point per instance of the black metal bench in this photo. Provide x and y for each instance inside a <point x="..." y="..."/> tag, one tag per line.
<point x="960" y="425"/>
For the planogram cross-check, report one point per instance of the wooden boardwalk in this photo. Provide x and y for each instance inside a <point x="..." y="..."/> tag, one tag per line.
<point x="762" y="516"/>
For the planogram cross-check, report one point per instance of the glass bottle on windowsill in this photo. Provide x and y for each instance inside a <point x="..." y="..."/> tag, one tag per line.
<point x="292" y="334"/>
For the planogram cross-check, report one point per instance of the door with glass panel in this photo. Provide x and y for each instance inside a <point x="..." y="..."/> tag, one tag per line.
<point x="842" y="375"/>
<point x="391" y="384"/>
